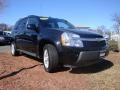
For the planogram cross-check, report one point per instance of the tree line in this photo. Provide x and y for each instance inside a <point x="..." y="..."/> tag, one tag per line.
<point x="116" y="24"/>
<point x="5" y="27"/>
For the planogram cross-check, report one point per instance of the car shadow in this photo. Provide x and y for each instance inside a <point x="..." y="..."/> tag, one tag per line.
<point x="4" y="44"/>
<point x="34" y="58"/>
<point x="16" y="72"/>
<point x="101" y="66"/>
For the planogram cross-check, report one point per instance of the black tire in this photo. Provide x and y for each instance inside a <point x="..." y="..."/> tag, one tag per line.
<point x="14" y="51"/>
<point x="52" y="58"/>
<point x="107" y="52"/>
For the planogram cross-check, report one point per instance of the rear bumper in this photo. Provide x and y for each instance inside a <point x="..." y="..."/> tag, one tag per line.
<point x="78" y="57"/>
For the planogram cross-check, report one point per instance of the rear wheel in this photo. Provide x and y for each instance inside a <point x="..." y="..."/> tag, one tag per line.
<point x="14" y="51"/>
<point x="50" y="58"/>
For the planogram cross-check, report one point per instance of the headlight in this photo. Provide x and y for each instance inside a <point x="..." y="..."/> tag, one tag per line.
<point x="2" y="38"/>
<point x="71" y="39"/>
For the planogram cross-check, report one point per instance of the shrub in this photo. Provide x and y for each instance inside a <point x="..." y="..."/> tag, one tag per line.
<point x="113" y="46"/>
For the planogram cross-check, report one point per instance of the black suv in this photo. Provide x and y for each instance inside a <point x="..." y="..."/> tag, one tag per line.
<point x="57" y="42"/>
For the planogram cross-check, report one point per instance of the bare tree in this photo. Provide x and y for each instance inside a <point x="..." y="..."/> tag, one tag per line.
<point x="2" y="4"/>
<point x="116" y="19"/>
<point x="101" y="29"/>
<point x="3" y="26"/>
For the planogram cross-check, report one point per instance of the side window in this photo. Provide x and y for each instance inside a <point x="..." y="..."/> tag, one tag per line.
<point x="21" y="25"/>
<point x="34" y="21"/>
<point x="48" y="24"/>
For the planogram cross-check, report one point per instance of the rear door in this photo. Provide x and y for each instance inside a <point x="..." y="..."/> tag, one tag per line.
<point x="19" y="33"/>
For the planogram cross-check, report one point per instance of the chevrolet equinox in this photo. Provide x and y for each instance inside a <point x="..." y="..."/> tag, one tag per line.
<point x="56" y="41"/>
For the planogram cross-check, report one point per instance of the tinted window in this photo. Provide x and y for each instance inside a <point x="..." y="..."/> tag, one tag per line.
<point x="48" y="24"/>
<point x="34" y="21"/>
<point x="1" y="33"/>
<point x="20" y="25"/>
<point x="56" y="23"/>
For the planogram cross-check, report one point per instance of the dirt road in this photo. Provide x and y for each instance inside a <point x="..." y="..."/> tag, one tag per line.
<point x="5" y="49"/>
<point x="27" y="73"/>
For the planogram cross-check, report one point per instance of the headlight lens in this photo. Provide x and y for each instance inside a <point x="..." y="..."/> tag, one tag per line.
<point x="2" y="38"/>
<point x="71" y="39"/>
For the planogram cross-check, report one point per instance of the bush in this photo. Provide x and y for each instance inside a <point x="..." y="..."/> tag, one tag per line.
<point x="113" y="46"/>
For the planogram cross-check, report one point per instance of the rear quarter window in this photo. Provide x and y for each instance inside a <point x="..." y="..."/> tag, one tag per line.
<point x="20" y="25"/>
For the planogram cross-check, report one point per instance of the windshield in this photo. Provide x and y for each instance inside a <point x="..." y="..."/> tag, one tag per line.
<point x="56" y="23"/>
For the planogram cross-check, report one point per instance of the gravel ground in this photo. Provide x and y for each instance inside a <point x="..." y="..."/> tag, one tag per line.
<point x="27" y="73"/>
<point x="5" y="49"/>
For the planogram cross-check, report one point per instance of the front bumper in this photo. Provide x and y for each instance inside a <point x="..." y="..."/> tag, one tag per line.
<point x="89" y="57"/>
<point x="80" y="57"/>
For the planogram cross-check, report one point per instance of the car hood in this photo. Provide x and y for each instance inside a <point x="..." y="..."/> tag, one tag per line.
<point x="83" y="33"/>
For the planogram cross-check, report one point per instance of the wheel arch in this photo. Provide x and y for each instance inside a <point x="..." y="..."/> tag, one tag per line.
<point x="42" y="43"/>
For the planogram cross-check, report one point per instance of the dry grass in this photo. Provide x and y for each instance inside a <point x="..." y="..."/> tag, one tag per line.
<point x="25" y="73"/>
<point x="108" y="79"/>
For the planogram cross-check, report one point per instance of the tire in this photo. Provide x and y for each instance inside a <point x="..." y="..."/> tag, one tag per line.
<point x="14" y="51"/>
<point x="107" y="52"/>
<point x="50" y="58"/>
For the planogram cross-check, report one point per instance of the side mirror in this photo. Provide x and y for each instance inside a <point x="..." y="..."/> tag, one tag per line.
<point x="31" y="26"/>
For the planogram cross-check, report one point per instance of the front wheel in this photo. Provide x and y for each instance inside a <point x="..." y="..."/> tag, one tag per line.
<point x="50" y="58"/>
<point x="14" y="51"/>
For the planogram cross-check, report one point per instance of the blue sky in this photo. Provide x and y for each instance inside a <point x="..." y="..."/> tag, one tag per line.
<point x="90" y="13"/>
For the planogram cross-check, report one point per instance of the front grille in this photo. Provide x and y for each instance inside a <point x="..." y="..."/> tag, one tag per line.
<point x="93" y="44"/>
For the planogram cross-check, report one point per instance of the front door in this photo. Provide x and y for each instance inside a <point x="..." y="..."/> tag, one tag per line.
<point x="31" y="37"/>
